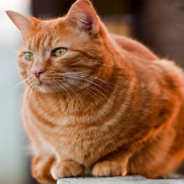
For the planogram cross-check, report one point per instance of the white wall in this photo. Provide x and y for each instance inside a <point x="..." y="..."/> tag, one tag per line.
<point x="13" y="164"/>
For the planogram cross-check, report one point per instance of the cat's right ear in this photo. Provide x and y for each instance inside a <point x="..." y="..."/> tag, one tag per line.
<point x="23" y="23"/>
<point x="83" y="16"/>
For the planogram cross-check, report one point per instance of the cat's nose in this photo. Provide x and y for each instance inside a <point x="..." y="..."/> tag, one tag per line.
<point x="37" y="72"/>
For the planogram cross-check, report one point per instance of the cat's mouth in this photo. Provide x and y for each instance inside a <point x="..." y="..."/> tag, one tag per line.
<point x="43" y="83"/>
<point x="46" y="87"/>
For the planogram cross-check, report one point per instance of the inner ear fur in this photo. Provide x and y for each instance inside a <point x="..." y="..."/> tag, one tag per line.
<point x="24" y="23"/>
<point x="83" y="16"/>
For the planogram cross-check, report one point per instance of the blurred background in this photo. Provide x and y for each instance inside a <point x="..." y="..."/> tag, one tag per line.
<point x="159" y="24"/>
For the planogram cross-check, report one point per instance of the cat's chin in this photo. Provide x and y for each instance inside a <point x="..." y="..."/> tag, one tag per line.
<point x="44" y="87"/>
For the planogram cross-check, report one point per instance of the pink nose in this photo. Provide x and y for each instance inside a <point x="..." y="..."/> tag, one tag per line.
<point x="37" y="72"/>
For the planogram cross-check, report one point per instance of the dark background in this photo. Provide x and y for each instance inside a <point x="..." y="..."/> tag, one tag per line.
<point x="159" y="24"/>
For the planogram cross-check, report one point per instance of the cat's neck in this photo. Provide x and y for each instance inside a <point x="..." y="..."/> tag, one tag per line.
<point x="80" y="101"/>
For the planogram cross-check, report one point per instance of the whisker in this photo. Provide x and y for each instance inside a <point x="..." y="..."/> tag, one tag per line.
<point x="60" y="97"/>
<point x="109" y="84"/>
<point x="97" y="90"/>
<point x="80" y="84"/>
<point x="30" y="97"/>
<point x="94" y="77"/>
<point x="74" y="93"/>
<point x="13" y="88"/>
<point x="14" y="99"/>
<point x="89" y="77"/>
<point x="64" y="89"/>
<point x="106" y="82"/>
<point x="89" y="82"/>
<point x="18" y="93"/>
<point x="12" y="81"/>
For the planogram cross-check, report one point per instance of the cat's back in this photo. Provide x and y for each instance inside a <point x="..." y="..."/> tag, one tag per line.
<point x="140" y="56"/>
<point x="134" y="47"/>
<point x="161" y="77"/>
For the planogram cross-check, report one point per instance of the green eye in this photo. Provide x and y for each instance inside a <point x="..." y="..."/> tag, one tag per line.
<point x="59" y="52"/>
<point x="29" y="56"/>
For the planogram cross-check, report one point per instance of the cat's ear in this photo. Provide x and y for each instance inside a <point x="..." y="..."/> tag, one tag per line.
<point x="83" y="16"/>
<point x="23" y="23"/>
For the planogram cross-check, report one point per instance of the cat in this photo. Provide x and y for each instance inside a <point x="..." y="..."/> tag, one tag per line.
<point x="97" y="103"/>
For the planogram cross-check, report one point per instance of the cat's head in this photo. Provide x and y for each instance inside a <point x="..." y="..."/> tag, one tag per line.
<point x="56" y="53"/>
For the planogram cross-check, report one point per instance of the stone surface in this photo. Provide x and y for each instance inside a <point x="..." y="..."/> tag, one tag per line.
<point x="175" y="179"/>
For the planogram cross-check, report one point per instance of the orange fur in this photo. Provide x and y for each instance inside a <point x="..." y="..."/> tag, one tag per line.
<point x="108" y="106"/>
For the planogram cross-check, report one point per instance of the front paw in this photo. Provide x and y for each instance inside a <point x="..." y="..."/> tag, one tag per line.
<point x="41" y="169"/>
<point x="107" y="168"/>
<point x="66" y="169"/>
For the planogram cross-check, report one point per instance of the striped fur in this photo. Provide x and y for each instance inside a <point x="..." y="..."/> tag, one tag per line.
<point x="108" y="105"/>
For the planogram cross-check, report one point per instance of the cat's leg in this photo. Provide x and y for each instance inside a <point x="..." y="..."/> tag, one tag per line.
<point x="156" y="159"/>
<point x="41" y="169"/>
<point x="43" y="153"/>
<point x="65" y="167"/>
<point x="42" y="161"/>
<point x="115" y="164"/>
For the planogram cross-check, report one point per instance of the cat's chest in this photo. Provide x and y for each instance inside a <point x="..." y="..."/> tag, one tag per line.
<point x="76" y="137"/>
<point x="77" y="141"/>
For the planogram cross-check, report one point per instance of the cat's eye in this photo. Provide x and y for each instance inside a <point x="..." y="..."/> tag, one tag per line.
<point x="59" y="52"/>
<point x="29" y="56"/>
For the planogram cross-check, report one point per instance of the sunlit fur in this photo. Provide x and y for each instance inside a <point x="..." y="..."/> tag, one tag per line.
<point x="108" y="106"/>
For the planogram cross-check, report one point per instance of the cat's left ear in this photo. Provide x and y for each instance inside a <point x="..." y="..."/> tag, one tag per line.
<point x="83" y="16"/>
<point x="23" y="23"/>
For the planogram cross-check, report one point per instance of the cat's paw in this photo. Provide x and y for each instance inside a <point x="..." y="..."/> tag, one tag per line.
<point x="41" y="170"/>
<point x="107" y="168"/>
<point x="66" y="169"/>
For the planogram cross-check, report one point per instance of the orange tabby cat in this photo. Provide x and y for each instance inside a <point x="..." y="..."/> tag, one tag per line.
<point x="95" y="102"/>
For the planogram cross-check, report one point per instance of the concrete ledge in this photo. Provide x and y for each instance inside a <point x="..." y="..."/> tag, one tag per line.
<point x="175" y="179"/>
